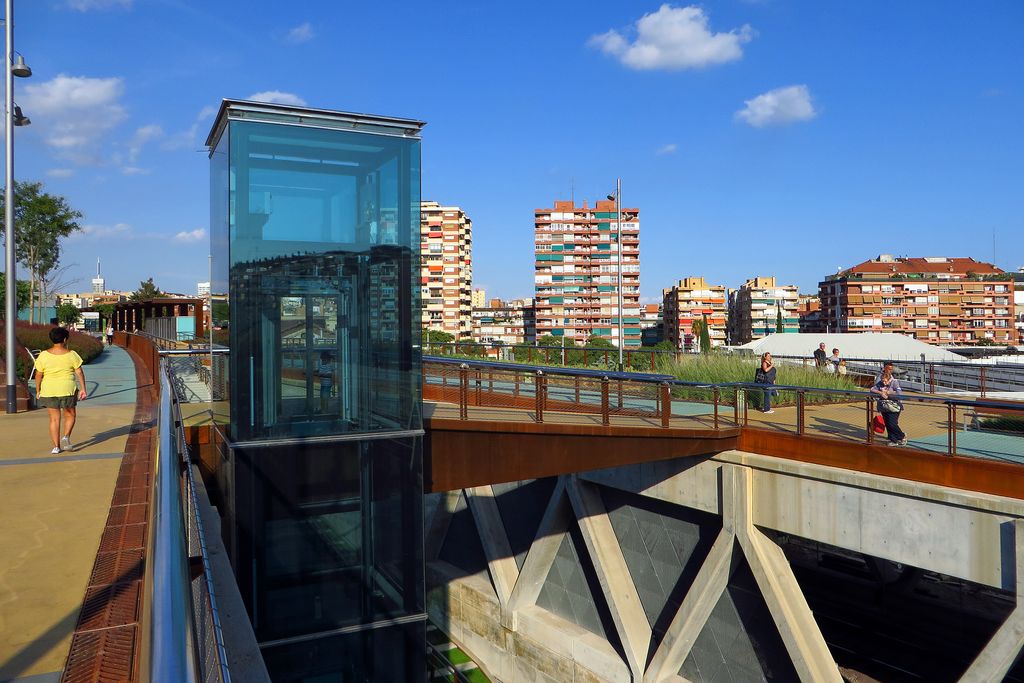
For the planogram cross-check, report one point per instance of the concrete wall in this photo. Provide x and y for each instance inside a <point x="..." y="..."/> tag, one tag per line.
<point x="494" y="615"/>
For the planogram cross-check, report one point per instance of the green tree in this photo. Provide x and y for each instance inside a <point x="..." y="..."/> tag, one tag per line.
<point x="106" y="312"/>
<point x="705" y="335"/>
<point x="147" y="291"/>
<point x="68" y="314"/>
<point x="779" y="327"/>
<point x="21" y="296"/>
<point x="41" y="220"/>
<point x="598" y="342"/>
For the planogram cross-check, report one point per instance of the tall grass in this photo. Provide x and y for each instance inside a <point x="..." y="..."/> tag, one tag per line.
<point x="716" y="368"/>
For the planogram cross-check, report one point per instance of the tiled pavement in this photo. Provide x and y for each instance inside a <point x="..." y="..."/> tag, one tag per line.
<point x="55" y="512"/>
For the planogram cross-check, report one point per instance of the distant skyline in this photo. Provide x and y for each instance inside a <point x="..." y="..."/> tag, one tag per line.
<point x="766" y="137"/>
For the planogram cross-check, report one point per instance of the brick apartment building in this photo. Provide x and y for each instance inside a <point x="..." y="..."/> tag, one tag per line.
<point x="691" y="299"/>
<point x="754" y="310"/>
<point x="937" y="300"/>
<point x="446" y="269"/>
<point x="577" y="272"/>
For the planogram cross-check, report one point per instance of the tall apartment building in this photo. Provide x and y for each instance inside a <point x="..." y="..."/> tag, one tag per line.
<point x="690" y="299"/>
<point x="505" y="322"/>
<point x="577" y="272"/>
<point x="756" y="307"/>
<point x="446" y="269"/>
<point x="652" y="324"/>
<point x="938" y="300"/>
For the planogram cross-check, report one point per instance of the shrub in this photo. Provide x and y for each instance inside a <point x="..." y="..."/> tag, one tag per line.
<point x="36" y="338"/>
<point x="1004" y="424"/>
<point x="717" y="368"/>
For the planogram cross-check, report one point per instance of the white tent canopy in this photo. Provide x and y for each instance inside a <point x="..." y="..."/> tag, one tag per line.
<point x="880" y="345"/>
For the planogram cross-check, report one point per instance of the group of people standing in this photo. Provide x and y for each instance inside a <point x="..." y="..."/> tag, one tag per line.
<point x="889" y="403"/>
<point x="834" y="363"/>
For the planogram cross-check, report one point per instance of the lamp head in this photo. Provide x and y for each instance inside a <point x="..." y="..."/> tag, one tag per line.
<point x="20" y="119"/>
<point x="20" y="68"/>
<point x="611" y="198"/>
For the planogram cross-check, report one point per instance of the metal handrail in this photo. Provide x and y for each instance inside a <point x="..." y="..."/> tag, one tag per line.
<point x="169" y="646"/>
<point x="645" y="378"/>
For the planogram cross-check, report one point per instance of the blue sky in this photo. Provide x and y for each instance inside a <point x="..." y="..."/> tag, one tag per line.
<point x="758" y="138"/>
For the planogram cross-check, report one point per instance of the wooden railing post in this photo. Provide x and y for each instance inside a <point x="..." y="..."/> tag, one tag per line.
<point x="652" y="354"/>
<point x="577" y="382"/>
<point x="736" y="406"/>
<point x="515" y="384"/>
<point x="800" y="412"/>
<point x="983" y="381"/>
<point x="931" y="378"/>
<point x="463" y="391"/>
<point x="605" y="412"/>
<point x="619" y="382"/>
<point x="479" y="388"/>
<point x="666" y="404"/>
<point x="714" y="397"/>
<point x="951" y="429"/>
<point x="870" y="412"/>
<point x="539" y="389"/>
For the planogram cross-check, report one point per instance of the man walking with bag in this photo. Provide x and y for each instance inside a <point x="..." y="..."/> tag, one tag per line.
<point x="890" y="404"/>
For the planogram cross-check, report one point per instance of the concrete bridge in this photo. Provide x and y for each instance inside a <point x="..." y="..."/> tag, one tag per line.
<point x="665" y="538"/>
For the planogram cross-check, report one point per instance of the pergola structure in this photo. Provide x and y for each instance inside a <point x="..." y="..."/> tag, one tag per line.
<point x="129" y="315"/>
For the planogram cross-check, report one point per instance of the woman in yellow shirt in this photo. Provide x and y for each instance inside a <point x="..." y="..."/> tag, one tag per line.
<point x="60" y="384"/>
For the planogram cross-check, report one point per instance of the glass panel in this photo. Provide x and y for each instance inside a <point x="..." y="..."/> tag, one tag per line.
<point x="322" y="281"/>
<point x="333" y="534"/>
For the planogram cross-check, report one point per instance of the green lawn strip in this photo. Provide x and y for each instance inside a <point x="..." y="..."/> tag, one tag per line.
<point x="456" y="656"/>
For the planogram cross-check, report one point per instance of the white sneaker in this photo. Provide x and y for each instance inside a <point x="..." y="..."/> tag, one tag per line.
<point x="65" y="444"/>
<point x="768" y="412"/>
<point x="55" y="451"/>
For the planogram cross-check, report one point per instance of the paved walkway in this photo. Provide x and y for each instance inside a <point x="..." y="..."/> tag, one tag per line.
<point x="52" y="513"/>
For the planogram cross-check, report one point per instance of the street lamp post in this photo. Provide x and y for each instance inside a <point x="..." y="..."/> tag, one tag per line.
<point x="618" y="249"/>
<point x="14" y="117"/>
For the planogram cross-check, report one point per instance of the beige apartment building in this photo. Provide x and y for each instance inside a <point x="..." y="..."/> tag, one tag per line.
<point x="576" y="272"/>
<point x="755" y="309"/>
<point x="446" y="269"/>
<point x="938" y="300"/>
<point x="505" y="322"/>
<point x="690" y="299"/>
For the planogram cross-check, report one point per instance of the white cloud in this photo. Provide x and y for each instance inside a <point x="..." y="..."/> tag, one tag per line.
<point x="97" y="231"/>
<point x="60" y="173"/>
<point x="300" y="34"/>
<point x="667" y="149"/>
<point x="779" y="106"/>
<point x="277" y="97"/>
<point x="86" y="5"/>
<point x="134" y="170"/>
<point x="674" y="38"/>
<point x="186" y="139"/>
<point x="141" y="137"/>
<point x="189" y="236"/>
<point x="75" y="112"/>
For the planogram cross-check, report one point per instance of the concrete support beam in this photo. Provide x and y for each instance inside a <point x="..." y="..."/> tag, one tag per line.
<point x="541" y="555"/>
<point x="693" y="613"/>
<point x="992" y="663"/>
<point x="793" y="618"/>
<point x="624" y="603"/>
<point x="500" y="561"/>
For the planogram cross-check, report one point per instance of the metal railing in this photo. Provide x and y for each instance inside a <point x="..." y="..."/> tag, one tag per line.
<point x="639" y="359"/>
<point x="923" y="375"/>
<point x="499" y="391"/>
<point x="182" y="637"/>
<point x="938" y="376"/>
